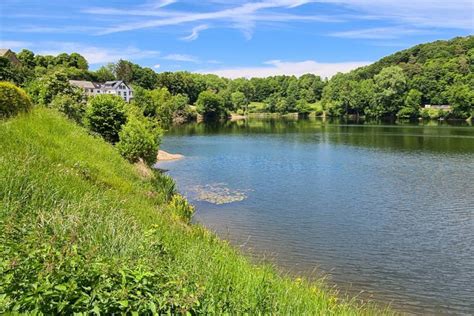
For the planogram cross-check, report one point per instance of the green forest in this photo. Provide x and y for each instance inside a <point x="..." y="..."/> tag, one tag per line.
<point x="397" y="86"/>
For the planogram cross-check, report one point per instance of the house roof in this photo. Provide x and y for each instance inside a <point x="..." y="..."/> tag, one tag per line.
<point x="8" y="53"/>
<point x="83" y="84"/>
<point x="114" y="84"/>
<point x="4" y="51"/>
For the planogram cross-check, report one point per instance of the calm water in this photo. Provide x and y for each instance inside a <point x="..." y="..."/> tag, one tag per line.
<point x="383" y="209"/>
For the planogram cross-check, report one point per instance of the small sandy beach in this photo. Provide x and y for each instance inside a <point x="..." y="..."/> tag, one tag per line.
<point x="165" y="156"/>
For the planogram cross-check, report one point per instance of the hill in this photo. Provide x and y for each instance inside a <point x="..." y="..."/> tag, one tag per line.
<point x="83" y="230"/>
<point x="437" y="73"/>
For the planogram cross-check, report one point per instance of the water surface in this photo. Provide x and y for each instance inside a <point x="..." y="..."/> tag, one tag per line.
<point x="383" y="209"/>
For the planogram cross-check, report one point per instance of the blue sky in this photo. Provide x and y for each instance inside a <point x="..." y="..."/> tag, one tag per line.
<point x="232" y="38"/>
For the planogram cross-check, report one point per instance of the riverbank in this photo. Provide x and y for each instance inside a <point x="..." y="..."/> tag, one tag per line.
<point x="82" y="230"/>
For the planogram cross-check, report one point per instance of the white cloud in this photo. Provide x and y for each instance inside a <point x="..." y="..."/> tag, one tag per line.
<point x="278" y="67"/>
<point x="157" y="66"/>
<point x="163" y="3"/>
<point x="181" y="57"/>
<point x="417" y="13"/>
<point x="381" y="33"/>
<point x="245" y="15"/>
<point x="14" y="44"/>
<point x="195" y="32"/>
<point x="93" y="54"/>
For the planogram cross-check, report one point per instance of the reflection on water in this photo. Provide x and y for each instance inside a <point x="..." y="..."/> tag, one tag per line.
<point x="384" y="209"/>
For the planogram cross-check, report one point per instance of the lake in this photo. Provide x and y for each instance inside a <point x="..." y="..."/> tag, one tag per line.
<point x="385" y="212"/>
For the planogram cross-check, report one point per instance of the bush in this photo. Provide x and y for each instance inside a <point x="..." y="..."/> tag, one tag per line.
<point x="71" y="106"/>
<point x="44" y="89"/>
<point x="139" y="140"/>
<point x="13" y="100"/>
<point x="164" y="185"/>
<point x="106" y="115"/>
<point x="181" y="208"/>
<point x="433" y="114"/>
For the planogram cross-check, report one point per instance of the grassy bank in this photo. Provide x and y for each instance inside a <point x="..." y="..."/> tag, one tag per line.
<point x="82" y="230"/>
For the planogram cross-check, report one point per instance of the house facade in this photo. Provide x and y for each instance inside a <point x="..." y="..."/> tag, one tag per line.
<point x="445" y="107"/>
<point x="117" y="87"/>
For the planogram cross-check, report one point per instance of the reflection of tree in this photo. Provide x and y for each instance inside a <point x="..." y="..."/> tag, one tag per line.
<point x="431" y="136"/>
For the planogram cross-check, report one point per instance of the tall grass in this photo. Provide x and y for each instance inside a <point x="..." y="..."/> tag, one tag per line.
<point x="81" y="231"/>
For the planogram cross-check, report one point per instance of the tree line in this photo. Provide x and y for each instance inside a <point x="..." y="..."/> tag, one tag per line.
<point x="397" y="86"/>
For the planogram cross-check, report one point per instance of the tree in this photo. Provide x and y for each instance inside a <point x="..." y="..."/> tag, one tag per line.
<point x="390" y="87"/>
<point x="123" y="70"/>
<point x="27" y="58"/>
<point x="210" y="105"/>
<point x="105" y="73"/>
<point x="239" y="101"/>
<point x="7" y="70"/>
<point x="78" y="61"/>
<point x="302" y="106"/>
<point x="139" y="139"/>
<point x="105" y="115"/>
<point x="44" y="89"/>
<point x="411" y="108"/>
<point x="461" y="98"/>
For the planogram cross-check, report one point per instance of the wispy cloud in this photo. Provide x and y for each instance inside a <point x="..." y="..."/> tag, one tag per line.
<point x="278" y="67"/>
<point x="415" y="15"/>
<point x="162" y="3"/>
<point x="195" y="32"/>
<point x="93" y="54"/>
<point x="182" y="57"/>
<point x="381" y="33"/>
<point x="14" y="44"/>
<point x="243" y="16"/>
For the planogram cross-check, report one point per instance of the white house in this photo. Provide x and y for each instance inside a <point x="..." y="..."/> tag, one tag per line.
<point x="445" y="107"/>
<point x="117" y="87"/>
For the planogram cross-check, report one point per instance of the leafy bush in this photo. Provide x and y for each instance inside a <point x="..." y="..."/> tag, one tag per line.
<point x="139" y="140"/>
<point x="106" y="115"/>
<point x="317" y="108"/>
<point x="180" y="207"/>
<point x="44" y="89"/>
<point x="70" y="105"/>
<point x="12" y="100"/>
<point x="164" y="185"/>
<point x="433" y="114"/>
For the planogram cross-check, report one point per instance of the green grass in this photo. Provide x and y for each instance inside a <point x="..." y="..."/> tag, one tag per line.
<point x="82" y="231"/>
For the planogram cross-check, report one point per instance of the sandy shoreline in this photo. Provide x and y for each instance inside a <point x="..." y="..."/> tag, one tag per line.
<point x="165" y="156"/>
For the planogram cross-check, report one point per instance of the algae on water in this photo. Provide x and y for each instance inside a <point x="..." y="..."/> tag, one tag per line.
<point x="218" y="193"/>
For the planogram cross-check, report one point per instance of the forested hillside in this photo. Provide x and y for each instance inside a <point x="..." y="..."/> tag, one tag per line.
<point x="438" y="73"/>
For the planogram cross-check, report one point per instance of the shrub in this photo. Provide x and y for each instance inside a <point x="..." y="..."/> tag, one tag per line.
<point x="433" y="114"/>
<point x="71" y="106"/>
<point x="13" y="100"/>
<point x="44" y="89"/>
<point x="106" y="115"/>
<point x="180" y="208"/>
<point x="164" y="185"/>
<point x="138" y="139"/>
